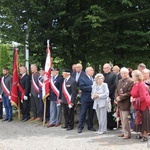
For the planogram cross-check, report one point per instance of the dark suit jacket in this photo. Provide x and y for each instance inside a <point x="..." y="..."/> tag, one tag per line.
<point x="58" y="83"/>
<point x="33" y="92"/>
<point x="85" y="85"/>
<point x="81" y="75"/>
<point x="25" y="84"/>
<point x="111" y="80"/>
<point x="71" y="90"/>
<point x="8" y="84"/>
<point x="126" y="86"/>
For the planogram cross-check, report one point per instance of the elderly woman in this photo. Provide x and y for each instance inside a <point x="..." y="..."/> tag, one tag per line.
<point x="146" y="78"/>
<point x="122" y="95"/>
<point x="100" y="94"/>
<point x="141" y="101"/>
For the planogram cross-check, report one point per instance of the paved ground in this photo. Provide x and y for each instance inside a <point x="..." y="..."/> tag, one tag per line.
<point x="33" y="136"/>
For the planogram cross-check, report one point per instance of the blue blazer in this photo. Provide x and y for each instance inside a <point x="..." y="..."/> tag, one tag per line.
<point x="85" y="85"/>
<point x="58" y="83"/>
<point x="81" y="75"/>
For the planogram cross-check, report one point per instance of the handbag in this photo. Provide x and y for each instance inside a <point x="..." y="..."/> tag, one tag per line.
<point x="138" y="115"/>
<point x="109" y="107"/>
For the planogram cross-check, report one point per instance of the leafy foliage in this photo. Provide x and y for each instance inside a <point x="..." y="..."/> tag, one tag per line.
<point x="91" y="32"/>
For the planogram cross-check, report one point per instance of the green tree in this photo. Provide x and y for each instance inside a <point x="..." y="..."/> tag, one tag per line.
<point x="92" y="32"/>
<point x="5" y="60"/>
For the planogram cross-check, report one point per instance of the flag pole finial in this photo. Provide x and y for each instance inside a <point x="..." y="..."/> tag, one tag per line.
<point x="48" y="42"/>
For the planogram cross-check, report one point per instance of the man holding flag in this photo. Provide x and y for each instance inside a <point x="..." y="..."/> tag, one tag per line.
<point x="24" y="89"/>
<point x="46" y="79"/>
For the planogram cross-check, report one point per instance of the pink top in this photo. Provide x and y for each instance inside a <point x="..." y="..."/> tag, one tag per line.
<point x="139" y="91"/>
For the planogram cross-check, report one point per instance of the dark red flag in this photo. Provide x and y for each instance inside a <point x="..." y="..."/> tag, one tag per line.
<point x="15" y="79"/>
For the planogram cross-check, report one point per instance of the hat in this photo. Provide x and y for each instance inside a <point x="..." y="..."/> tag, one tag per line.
<point x="55" y="69"/>
<point x="66" y="70"/>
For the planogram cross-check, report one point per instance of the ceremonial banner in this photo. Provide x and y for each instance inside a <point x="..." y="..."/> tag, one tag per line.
<point x="47" y="76"/>
<point x="15" y="79"/>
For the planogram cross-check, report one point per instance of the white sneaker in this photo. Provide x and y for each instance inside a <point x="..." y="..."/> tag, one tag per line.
<point x="97" y="132"/>
<point x="101" y="133"/>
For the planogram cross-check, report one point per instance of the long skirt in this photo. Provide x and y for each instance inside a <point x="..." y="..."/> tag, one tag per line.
<point x="145" y="126"/>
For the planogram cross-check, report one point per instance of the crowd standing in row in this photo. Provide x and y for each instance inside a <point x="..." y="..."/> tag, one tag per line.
<point x="83" y="93"/>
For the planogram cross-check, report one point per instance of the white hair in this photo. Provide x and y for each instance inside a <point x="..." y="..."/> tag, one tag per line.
<point x="124" y="70"/>
<point x="146" y="71"/>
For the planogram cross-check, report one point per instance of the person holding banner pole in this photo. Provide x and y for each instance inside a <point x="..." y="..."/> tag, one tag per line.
<point x="69" y="88"/>
<point x="55" y="99"/>
<point x="24" y="89"/>
<point x="35" y="101"/>
<point x="41" y="79"/>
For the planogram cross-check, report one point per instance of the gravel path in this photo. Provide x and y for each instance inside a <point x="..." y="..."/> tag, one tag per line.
<point x="16" y="135"/>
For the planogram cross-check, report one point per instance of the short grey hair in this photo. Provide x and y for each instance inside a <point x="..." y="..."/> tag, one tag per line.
<point x="99" y="75"/>
<point x="124" y="69"/>
<point x="146" y="71"/>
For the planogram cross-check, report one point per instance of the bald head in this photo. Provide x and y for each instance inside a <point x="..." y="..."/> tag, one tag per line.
<point x="79" y="67"/>
<point x="116" y="69"/>
<point x="23" y="69"/>
<point x="106" y="68"/>
<point x="89" y="71"/>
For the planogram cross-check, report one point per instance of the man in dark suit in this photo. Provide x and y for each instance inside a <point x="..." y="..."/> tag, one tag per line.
<point x="5" y="90"/>
<point x="35" y="101"/>
<point x="24" y="89"/>
<point x="69" y="88"/>
<point x="116" y="70"/>
<point x="77" y="74"/>
<point x="85" y="84"/>
<point x="111" y="80"/>
<point x="122" y="95"/>
<point x="55" y="98"/>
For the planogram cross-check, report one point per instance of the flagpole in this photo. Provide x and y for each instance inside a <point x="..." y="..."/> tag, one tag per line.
<point x="19" y="112"/>
<point x="44" y="120"/>
<point x="44" y="100"/>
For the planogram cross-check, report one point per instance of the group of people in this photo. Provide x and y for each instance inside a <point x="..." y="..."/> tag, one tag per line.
<point x="83" y="93"/>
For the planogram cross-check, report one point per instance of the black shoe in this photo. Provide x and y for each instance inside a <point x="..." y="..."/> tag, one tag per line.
<point x="22" y="119"/>
<point x="10" y="120"/>
<point x="5" y="119"/>
<point x="69" y="128"/>
<point x="1" y="117"/>
<point x="25" y="120"/>
<point x="79" y="130"/>
<point x="64" y="127"/>
<point x="91" y="129"/>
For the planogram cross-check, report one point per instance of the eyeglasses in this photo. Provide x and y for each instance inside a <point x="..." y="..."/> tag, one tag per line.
<point x="106" y="68"/>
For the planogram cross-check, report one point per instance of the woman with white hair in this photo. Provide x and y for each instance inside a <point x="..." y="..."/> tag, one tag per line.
<point x="100" y="94"/>
<point x="146" y="78"/>
<point x="141" y="102"/>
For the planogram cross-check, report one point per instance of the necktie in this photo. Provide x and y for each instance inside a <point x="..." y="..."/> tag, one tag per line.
<point x="91" y="79"/>
<point x="53" y="78"/>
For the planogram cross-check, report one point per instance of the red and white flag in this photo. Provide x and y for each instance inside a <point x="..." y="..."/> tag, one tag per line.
<point x="47" y="76"/>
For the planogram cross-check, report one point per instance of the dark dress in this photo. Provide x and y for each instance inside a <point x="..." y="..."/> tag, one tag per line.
<point x="111" y="80"/>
